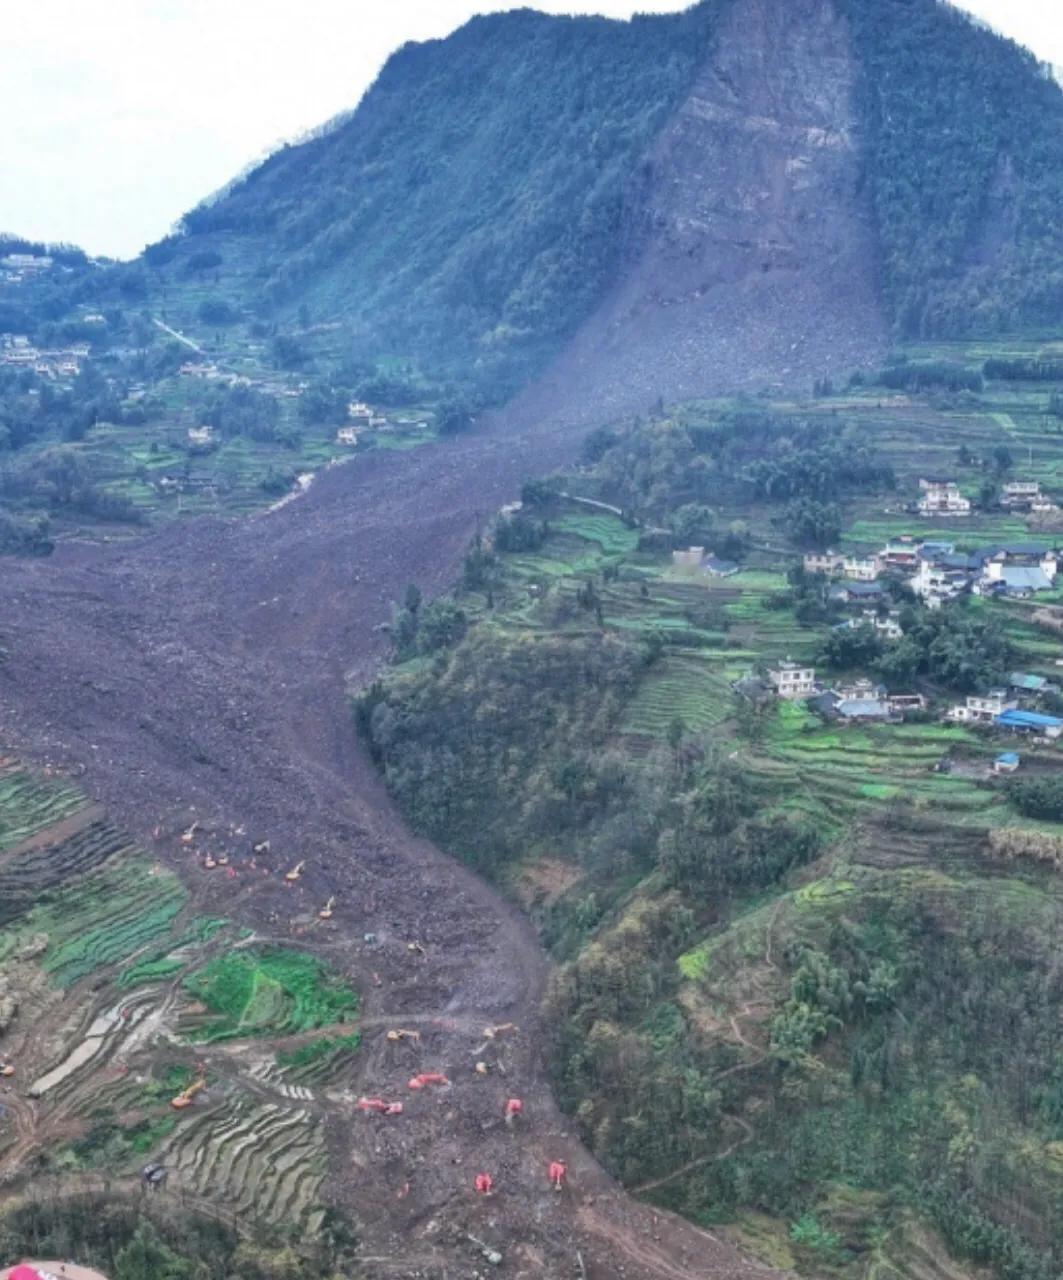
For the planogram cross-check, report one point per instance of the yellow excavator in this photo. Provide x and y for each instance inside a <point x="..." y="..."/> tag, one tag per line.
<point x="326" y="911"/>
<point x="402" y="1034"/>
<point x="184" y="1098"/>
<point x="295" y="873"/>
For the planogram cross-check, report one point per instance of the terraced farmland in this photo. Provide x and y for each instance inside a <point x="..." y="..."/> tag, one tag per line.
<point x="110" y="971"/>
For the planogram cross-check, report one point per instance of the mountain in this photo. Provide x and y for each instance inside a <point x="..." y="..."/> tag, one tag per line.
<point x="718" y="195"/>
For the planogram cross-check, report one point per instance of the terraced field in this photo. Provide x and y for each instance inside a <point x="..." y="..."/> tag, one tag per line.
<point x="114" y="987"/>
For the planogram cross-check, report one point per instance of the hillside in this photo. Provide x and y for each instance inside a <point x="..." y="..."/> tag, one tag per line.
<point x="722" y="193"/>
<point x="806" y="985"/>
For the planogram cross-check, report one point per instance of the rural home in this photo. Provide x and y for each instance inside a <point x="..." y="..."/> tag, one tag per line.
<point x="942" y="498"/>
<point x="900" y="553"/>
<point x="902" y="703"/>
<point x="858" y="593"/>
<point x="936" y="585"/>
<point x="1030" y="722"/>
<point x="888" y="627"/>
<point x="1006" y="762"/>
<point x="1020" y="493"/>
<point x="858" y="568"/>
<point x="347" y="436"/>
<point x="791" y="680"/>
<point x="982" y="708"/>
<point x="200" y="435"/>
<point x="828" y="562"/>
<point x="697" y="558"/>
<point x="1022" y="682"/>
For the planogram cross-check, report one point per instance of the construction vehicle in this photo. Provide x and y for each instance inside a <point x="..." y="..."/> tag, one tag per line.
<point x="326" y="911"/>
<point x="260" y="848"/>
<point x="558" y="1171"/>
<point x="416" y="948"/>
<point x="184" y="1098"/>
<point x="426" y="1078"/>
<point x="7" y="1070"/>
<point x="295" y="873"/>
<point x="485" y="1184"/>
<point x="481" y="1068"/>
<point x="223" y="860"/>
<point x="380" y="1106"/>
<point x="400" y="1034"/>
<point x="500" y="1030"/>
<point x="209" y="862"/>
<point x="188" y="836"/>
<point x="514" y="1110"/>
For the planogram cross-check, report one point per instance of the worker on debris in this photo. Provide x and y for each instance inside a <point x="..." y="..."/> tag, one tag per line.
<point x="485" y="1184"/>
<point x="514" y="1111"/>
<point x="557" y="1174"/>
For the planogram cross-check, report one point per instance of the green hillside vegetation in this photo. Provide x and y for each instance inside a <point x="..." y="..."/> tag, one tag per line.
<point x="805" y="990"/>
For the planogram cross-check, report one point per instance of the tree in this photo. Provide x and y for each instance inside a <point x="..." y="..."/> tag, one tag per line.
<point x="453" y="416"/>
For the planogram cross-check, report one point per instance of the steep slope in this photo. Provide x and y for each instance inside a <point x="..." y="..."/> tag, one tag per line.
<point x="752" y="248"/>
<point x="716" y="186"/>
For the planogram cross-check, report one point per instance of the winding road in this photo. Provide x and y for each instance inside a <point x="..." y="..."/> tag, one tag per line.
<point x="201" y="673"/>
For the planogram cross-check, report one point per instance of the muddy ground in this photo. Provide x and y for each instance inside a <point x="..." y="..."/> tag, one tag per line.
<point x="200" y="674"/>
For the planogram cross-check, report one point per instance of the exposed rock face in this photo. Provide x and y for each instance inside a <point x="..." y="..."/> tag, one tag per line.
<point x="751" y="251"/>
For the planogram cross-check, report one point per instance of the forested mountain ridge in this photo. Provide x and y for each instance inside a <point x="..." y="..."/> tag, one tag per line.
<point x="497" y="189"/>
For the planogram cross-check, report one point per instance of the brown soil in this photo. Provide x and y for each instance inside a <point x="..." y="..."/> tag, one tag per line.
<point x="201" y="674"/>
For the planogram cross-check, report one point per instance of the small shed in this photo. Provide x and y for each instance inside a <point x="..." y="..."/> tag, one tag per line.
<point x="1006" y="762"/>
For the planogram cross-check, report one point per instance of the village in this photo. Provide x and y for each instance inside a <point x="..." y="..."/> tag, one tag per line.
<point x="871" y="587"/>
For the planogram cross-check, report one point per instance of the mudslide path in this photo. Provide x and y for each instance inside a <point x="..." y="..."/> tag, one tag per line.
<point x="199" y="673"/>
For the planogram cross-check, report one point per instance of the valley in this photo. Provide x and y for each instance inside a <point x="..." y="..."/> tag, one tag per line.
<point x="530" y="661"/>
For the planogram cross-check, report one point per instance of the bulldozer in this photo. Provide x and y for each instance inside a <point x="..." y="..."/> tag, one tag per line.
<point x="401" y="1034"/>
<point x="184" y="1098"/>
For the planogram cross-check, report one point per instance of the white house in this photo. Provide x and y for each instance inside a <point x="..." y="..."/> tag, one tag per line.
<point x="200" y="435"/>
<point x="347" y="436"/>
<point x="982" y="708"/>
<point x="936" y="585"/>
<point x="791" y="680"/>
<point x="942" y="498"/>
<point x="1020" y="493"/>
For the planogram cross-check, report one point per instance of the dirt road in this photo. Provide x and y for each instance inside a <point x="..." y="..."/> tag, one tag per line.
<point x="200" y="674"/>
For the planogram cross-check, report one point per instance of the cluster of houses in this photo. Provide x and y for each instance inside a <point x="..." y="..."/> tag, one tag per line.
<point x="360" y="418"/>
<point x="941" y="497"/>
<point x="858" y="701"/>
<point x="937" y="572"/>
<point x="862" y="701"/>
<point x="16" y="350"/>
<point x="22" y="266"/>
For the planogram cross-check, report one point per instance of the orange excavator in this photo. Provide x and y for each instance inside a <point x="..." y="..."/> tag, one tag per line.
<point x="184" y="1098"/>
<point x="426" y="1078"/>
<point x="188" y="836"/>
<point x="295" y="873"/>
<point x="380" y="1106"/>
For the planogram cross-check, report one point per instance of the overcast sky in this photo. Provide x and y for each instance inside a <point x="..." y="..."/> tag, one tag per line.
<point x="119" y="115"/>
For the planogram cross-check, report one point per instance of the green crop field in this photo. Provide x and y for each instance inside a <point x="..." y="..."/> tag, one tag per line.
<point x="258" y="992"/>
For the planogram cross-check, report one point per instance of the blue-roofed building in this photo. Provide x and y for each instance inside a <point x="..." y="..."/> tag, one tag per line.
<point x="1026" y="683"/>
<point x="1030" y="722"/>
<point x="1006" y="762"/>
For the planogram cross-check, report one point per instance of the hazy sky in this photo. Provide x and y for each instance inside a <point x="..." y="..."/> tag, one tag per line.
<point x="119" y="115"/>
